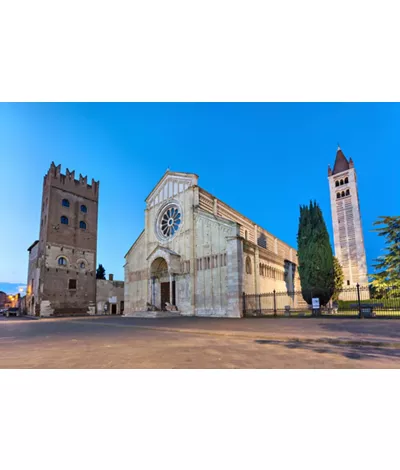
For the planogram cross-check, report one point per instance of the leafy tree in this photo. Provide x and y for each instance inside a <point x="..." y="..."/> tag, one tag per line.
<point x="315" y="255"/>
<point x="338" y="278"/>
<point x="101" y="272"/>
<point x="387" y="279"/>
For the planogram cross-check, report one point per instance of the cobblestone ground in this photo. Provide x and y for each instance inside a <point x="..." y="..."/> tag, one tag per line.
<point x="115" y="342"/>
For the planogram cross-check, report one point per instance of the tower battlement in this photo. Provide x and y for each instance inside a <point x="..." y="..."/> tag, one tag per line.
<point x="67" y="182"/>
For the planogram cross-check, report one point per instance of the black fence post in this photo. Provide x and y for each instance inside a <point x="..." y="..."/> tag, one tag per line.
<point x="274" y="303"/>
<point x="360" y="315"/>
<point x="244" y="303"/>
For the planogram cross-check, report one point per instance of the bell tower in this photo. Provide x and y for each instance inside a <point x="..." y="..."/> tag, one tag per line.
<point x="62" y="263"/>
<point x="346" y="219"/>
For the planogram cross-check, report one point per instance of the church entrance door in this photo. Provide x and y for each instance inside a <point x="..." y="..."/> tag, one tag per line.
<point x="164" y="294"/>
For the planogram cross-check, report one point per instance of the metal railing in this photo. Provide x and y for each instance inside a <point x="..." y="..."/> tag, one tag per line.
<point x="357" y="302"/>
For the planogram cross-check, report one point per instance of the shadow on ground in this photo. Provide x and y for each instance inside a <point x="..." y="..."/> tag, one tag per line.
<point x="356" y="352"/>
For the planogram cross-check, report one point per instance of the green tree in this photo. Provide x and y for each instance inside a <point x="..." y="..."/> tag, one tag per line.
<point x="387" y="278"/>
<point x="338" y="278"/>
<point x="315" y="255"/>
<point x="101" y="272"/>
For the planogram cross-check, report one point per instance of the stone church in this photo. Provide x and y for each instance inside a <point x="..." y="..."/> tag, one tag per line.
<point x="197" y="255"/>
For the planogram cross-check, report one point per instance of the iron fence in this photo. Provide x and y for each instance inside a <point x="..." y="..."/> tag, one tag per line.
<point x="357" y="302"/>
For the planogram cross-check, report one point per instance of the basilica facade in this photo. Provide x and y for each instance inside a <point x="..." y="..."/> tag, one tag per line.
<point x="196" y="255"/>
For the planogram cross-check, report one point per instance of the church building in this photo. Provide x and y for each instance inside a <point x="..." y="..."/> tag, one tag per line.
<point x="197" y="256"/>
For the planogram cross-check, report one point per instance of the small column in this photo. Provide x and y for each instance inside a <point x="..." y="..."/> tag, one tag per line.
<point x="257" y="271"/>
<point x="215" y="206"/>
<point x="153" y="290"/>
<point x="171" y="279"/>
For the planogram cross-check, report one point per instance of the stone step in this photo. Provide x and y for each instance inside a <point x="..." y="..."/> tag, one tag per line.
<point x="152" y="314"/>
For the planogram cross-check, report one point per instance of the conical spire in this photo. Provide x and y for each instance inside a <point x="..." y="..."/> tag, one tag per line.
<point x="341" y="162"/>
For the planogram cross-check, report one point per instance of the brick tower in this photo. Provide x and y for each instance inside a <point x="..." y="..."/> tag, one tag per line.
<point x="62" y="263"/>
<point x="346" y="219"/>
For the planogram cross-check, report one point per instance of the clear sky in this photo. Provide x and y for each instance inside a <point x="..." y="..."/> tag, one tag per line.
<point x="263" y="159"/>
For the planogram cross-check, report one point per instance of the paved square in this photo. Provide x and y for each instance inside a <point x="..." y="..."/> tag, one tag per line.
<point x="116" y="342"/>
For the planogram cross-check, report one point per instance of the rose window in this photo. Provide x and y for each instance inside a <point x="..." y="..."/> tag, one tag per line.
<point x="170" y="221"/>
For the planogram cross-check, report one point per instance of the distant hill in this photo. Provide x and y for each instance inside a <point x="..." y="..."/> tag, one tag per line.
<point x="12" y="288"/>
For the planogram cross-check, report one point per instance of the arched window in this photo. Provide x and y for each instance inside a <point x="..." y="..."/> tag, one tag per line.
<point x="347" y="192"/>
<point x="82" y="265"/>
<point x="83" y="208"/>
<point x="65" y="203"/>
<point x="64" y="220"/>
<point x="337" y="183"/>
<point x="346" y="180"/>
<point x="341" y="182"/>
<point x="343" y="194"/>
<point x="82" y="225"/>
<point x="337" y="195"/>
<point x="62" y="261"/>
<point x="248" y="265"/>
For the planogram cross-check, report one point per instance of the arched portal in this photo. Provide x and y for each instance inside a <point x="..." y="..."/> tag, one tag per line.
<point x="162" y="285"/>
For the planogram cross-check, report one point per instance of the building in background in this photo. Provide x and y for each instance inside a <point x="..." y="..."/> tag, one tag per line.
<point x="346" y="219"/>
<point x="62" y="263"/>
<point x="3" y="300"/>
<point x="109" y="296"/>
<point x="196" y="255"/>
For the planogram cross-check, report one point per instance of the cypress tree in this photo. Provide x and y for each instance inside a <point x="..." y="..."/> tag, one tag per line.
<point x="315" y="255"/>
<point x="386" y="281"/>
<point x="339" y="278"/>
<point x="101" y="272"/>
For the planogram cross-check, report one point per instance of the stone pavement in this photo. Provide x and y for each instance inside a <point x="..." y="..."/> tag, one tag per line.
<point x="117" y="342"/>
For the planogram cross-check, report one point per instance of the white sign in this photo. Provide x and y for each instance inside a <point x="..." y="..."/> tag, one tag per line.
<point x="112" y="300"/>
<point x="315" y="303"/>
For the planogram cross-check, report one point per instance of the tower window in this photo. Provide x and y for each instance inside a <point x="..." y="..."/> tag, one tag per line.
<point x="346" y="180"/>
<point x="62" y="261"/>
<point x="347" y="192"/>
<point x="82" y="225"/>
<point x="341" y="182"/>
<point x="83" y="208"/>
<point x="64" y="220"/>
<point x="72" y="284"/>
<point x="337" y="183"/>
<point x="337" y="195"/>
<point x="65" y="203"/>
<point x="343" y="194"/>
<point x="82" y="265"/>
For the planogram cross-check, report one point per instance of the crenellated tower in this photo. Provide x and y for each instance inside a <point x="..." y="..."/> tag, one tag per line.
<point x="66" y="252"/>
<point x="346" y="219"/>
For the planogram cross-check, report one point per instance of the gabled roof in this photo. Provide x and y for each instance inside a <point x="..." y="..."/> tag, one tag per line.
<point x="165" y="249"/>
<point x="341" y="162"/>
<point x="187" y="179"/>
<point x="134" y="243"/>
<point x="33" y="244"/>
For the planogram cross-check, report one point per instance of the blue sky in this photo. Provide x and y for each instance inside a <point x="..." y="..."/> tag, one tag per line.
<point x="264" y="159"/>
